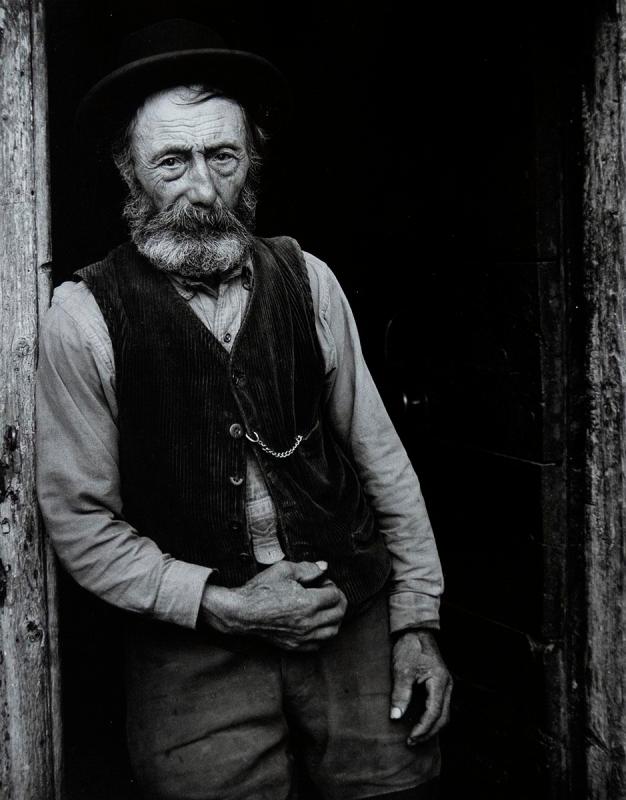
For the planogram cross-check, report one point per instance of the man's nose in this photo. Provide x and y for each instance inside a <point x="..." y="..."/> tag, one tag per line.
<point x="201" y="189"/>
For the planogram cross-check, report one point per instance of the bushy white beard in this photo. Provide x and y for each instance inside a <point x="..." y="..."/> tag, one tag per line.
<point x="191" y="240"/>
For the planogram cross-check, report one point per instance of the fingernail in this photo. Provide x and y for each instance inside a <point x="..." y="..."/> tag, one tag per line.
<point x="323" y="565"/>
<point x="396" y="713"/>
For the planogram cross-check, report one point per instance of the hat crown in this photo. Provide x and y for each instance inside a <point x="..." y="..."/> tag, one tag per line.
<point x="176" y="52"/>
<point x="167" y="36"/>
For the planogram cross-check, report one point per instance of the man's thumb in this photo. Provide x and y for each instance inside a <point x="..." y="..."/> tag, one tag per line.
<point x="401" y="693"/>
<point x="306" y="572"/>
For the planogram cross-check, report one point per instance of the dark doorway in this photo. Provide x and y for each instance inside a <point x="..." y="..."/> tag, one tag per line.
<point x="431" y="161"/>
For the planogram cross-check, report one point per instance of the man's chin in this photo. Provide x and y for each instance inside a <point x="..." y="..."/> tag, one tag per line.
<point x="193" y="258"/>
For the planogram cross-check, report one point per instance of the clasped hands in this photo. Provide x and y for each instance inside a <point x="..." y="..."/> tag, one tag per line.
<point x="296" y="607"/>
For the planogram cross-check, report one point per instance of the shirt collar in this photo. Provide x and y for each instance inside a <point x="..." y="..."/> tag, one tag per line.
<point x="187" y="286"/>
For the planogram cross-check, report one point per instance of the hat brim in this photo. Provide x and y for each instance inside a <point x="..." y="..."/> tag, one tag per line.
<point x="250" y="79"/>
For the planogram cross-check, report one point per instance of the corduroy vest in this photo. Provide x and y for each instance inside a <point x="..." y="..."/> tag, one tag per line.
<point x="185" y="405"/>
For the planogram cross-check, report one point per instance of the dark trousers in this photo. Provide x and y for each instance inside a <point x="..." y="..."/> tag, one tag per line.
<point x="209" y="723"/>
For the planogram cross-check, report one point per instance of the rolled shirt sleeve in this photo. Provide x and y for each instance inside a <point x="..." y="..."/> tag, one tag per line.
<point x="78" y="475"/>
<point x="388" y="478"/>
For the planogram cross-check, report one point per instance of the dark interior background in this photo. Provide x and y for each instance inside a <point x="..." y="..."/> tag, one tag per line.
<point x="432" y="162"/>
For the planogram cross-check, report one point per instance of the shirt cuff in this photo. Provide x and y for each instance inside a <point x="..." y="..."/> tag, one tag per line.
<point x="411" y="610"/>
<point x="180" y="593"/>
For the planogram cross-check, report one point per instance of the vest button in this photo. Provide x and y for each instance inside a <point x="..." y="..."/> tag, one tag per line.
<point x="235" y="430"/>
<point x="236" y="480"/>
<point x="227" y="337"/>
<point x="235" y="526"/>
<point x="245" y="557"/>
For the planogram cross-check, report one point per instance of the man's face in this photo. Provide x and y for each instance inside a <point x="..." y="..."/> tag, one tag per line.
<point x="190" y="151"/>
<point x="192" y="199"/>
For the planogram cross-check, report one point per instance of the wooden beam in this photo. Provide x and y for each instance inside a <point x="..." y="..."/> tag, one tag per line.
<point x="604" y="206"/>
<point x="30" y="740"/>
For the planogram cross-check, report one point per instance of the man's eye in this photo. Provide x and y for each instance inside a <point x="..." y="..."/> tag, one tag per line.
<point x="170" y="162"/>
<point x="223" y="157"/>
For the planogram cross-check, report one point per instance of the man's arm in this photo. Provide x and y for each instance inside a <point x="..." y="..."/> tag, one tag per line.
<point x="363" y="425"/>
<point x="388" y="478"/>
<point x="78" y="476"/>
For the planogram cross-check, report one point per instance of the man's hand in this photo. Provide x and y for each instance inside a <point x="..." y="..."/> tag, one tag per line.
<point x="416" y="659"/>
<point x="279" y="605"/>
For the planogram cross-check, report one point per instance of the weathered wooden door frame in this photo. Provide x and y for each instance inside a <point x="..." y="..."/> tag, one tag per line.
<point x="604" y="259"/>
<point x="30" y="733"/>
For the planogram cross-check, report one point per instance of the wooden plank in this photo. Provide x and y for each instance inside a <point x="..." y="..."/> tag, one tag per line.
<point x="28" y="738"/>
<point x="605" y="255"/>
<point x="41" y="154"/>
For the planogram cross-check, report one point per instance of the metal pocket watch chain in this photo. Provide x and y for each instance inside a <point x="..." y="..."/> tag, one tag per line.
<point x="256" y="439"/>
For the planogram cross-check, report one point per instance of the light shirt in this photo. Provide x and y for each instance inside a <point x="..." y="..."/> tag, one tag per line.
<point x="78" y="463"/>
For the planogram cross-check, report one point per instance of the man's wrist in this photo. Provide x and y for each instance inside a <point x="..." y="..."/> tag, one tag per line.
<point x="422" y="629"/>
<point x="217" y="608"/>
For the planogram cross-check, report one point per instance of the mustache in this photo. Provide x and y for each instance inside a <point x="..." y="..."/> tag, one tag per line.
<point x="181" y="217"/>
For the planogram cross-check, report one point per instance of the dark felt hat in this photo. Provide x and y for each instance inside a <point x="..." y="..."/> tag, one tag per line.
<point x="175" y="52"/>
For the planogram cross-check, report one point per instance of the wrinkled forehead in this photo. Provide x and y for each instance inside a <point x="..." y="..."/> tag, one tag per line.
<point x="186" y="107"/>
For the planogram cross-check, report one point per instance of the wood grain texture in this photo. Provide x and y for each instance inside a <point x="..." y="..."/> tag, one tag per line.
<point x="41" y="160"/>
<point x="604" y="254"/>
<point x="29" y="719"/>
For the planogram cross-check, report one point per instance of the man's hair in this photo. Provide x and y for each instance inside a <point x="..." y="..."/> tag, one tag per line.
<point x="256" y="138"/>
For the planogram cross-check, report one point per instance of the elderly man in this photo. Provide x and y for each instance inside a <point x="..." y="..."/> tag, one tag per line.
<point x="214" y="457"/>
